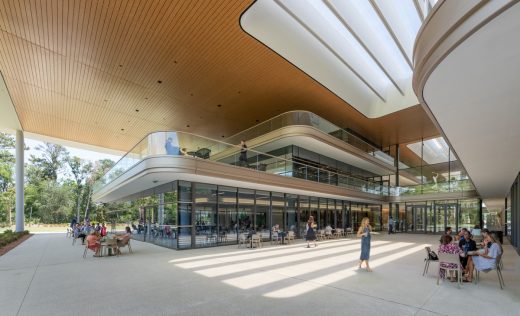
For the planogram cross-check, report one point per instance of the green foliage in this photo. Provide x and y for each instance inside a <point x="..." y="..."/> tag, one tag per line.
<point x="6" y="175"/>
<point x="9" y="236"/>
<point x="55" y="202"/>
<point x="51" y="161"/>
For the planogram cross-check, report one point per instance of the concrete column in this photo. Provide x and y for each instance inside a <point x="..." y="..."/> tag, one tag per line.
<point x="19" y="179"/>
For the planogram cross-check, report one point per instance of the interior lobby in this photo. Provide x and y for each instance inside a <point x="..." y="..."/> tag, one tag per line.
<point x="235" y="116"/>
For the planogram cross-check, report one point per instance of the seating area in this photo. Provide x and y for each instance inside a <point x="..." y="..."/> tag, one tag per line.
<point x="276" y="276"/>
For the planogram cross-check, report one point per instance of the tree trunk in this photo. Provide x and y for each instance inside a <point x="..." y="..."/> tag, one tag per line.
<point x="87" y="210"/>
<point x="78" y="203"/>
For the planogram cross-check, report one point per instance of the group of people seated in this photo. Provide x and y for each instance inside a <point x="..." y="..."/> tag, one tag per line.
<point x="471" y="257"/>
<point x="82" y="231"/>
<point x="94" y="241"/>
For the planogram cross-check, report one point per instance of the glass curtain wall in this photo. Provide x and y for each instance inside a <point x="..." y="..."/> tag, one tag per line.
<point x="246" y="206"/>
<point x="186" y="238"/>
<point x="227" y="215"/>
<point x="291" y="213"/>
<point x="205" y="215"/>
<point x="305" y="213"/>
<point x="277" y="211"/>
<point x="262" y="222"/>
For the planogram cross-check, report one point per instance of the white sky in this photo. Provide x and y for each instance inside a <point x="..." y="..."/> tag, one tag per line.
<point x="81" y="153"/>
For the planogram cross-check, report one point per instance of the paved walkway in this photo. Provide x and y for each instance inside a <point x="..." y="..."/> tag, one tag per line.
<point x="46" y="275"/>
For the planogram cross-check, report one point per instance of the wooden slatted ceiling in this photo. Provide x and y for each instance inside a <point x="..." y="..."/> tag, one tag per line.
<point x="79" y="70"/>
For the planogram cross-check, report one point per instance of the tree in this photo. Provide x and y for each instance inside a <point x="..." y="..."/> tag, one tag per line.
<point x="52" y="160"/>
<point x="80" y="170"/>
<point x="55" y="201"/>
<point x="7" y="161"/>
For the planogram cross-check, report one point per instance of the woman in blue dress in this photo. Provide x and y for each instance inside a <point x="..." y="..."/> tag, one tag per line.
<point x="364" y="232"/>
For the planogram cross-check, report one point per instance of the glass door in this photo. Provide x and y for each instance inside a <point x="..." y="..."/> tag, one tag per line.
<point x="419" y="218"/>
<point x="445" y="216"/>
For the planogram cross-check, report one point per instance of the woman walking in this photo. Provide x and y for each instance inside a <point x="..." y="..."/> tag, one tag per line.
<point x="364" y="232"/>
<point x="311" y="234"/>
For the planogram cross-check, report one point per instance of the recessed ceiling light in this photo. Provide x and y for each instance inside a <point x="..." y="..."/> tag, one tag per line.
<point x="188" y="125"/>
<point x="257" y="121"/>
<point x="191" y="94"/>
<point x="137" y="110"/>
<point x="159" y="81"/>
<point x="120" y="65"/>
<point x="239" y="92"/>
<point x="146" y="98"/>
<point x="219" y="105"/>
<point x="223" y="136"/>
<point x="122" y="129"/>
<point x="174" y="61"/>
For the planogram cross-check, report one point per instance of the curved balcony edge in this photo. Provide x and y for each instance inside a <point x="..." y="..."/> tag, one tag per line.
<point x="448" y="25"/>
<point x="152" y="172"/>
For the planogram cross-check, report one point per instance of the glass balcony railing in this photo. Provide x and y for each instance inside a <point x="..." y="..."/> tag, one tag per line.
<point x="312" y="120"/>
<point x="463" y="185"/>
<point x="198" y="147"/>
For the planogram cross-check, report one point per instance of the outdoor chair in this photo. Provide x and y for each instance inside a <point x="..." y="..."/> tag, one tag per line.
<point x="69" y="232"/>
<point x="450" y="258"/>
<point x="87" y="249"/>
<point x="203" y="153"/>
<point x="256" y="240"/>
<point x="427" y="260"/>
<point x="242" y="240"/>
<point x="290" y="236"/>
<point x="348" y="232"/>
<point x="499" y="272"/>
<point x="338" y="232"/>
<point x="124" y="243"/>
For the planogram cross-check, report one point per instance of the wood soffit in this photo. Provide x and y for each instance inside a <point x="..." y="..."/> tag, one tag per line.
<point x="106" y="73"/>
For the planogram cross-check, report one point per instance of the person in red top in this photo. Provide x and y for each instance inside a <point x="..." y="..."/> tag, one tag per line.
<point x="103" y="230"/>
<point x="93" y="243"/>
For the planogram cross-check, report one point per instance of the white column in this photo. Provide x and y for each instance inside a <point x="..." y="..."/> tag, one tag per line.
<point x="19" y="178"/>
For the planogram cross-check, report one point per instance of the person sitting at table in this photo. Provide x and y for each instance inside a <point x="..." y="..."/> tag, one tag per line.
<point x="466" y="244"/>
<point x="448" y="247"/>
<point x="122" y="239"/>
<point x="94" y="244"/>
<point x="485" y="259"/>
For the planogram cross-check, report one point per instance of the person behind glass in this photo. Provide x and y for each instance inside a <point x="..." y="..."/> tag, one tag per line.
<point x="243" y="153"/>
<point x="364" y="232"/>
<point x="390" y="225"/>
<point x="171" y="149"/>
<point x="447" y="231"/>
<point x="311" y="234"/>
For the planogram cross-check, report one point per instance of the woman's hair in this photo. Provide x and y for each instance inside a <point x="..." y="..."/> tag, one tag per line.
<point x="446" y="239"/>
<point x="311" y="219"/>
<point x="364" y="222"/>
<point x="128" y="229"/>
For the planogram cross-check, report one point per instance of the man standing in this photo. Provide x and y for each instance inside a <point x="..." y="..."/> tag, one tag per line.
<point x="171" y="149"/>
<point x="390" y="225"/>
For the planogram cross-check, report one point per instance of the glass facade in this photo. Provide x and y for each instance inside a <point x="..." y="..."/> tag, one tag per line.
<point x="192" y="215"/>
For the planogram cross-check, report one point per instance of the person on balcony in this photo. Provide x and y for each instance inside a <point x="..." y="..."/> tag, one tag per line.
<point x="243" y="153"/>
<point x="171" y="149"/>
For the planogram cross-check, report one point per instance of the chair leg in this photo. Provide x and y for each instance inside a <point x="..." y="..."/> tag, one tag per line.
<point x="438" y="274"/>
<point x="500" y="279"/>
<point x="85" y="253"/>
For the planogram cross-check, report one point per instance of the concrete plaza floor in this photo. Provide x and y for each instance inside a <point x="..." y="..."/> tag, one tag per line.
<point x="46" y="275"/>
